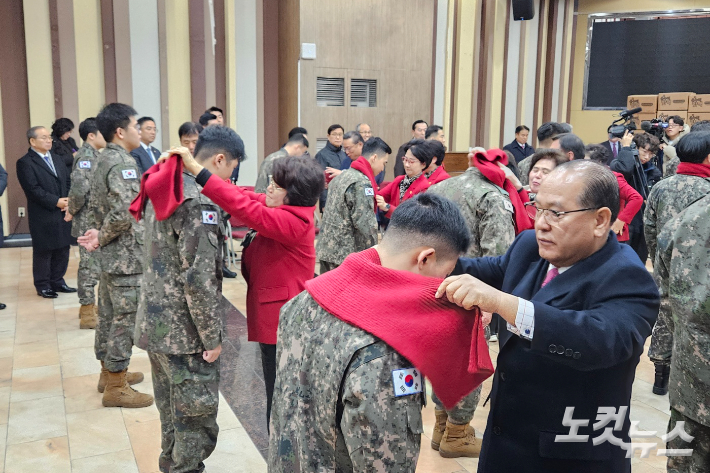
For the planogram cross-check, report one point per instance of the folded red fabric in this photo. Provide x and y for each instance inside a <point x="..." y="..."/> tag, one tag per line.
<point x="399" y="308"/>
<point x="692" y="169"/>
<point x="162" y="184"/>
<point x="363" y="165"/>
<point x="487" y="163"/>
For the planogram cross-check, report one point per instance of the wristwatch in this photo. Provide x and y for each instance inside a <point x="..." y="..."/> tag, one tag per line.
<point x="387" y="209"/>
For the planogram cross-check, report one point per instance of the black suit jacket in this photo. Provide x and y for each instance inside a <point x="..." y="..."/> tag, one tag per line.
<point x="518" y="152"/>
<point x="3" y="186"/>
<point x="143" y="159"/>
<point x="607" y="145"/>
<point x="590" y="326"/>
<point x="43" y="189"/>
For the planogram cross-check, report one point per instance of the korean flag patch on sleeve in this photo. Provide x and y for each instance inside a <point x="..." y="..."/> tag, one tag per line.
<point x="369" y="191"/>
<point x="209" y="217"/>
<point x="84" y="164"/>
<point x="129" y="174"/>
<point x="406" y="381"/>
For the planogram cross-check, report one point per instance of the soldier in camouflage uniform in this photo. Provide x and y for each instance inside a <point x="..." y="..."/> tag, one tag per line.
<point x="114" y="185"/>
<point x="489" y="215"/>
<point x="85" y="161"/>
<point x="336" y="407"/>
<point x="666" y="201"/>
<point x="349" y="221"/>
<point x="683" y="270"/>
<point x="179" y="319"/>
<point x="297" y="145"/>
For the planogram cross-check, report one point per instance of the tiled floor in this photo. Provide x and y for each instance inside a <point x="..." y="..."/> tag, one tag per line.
<point x="51" y="418"/>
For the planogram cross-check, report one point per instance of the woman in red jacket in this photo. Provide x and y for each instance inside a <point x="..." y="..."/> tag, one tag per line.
<point x="418" y="157"/>
<point x="279" y="260"/>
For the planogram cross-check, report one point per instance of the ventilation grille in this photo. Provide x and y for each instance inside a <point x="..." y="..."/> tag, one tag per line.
<point x="363" y="93"/>
<point x="320" y="144"/>
<point x="330" y="92"/>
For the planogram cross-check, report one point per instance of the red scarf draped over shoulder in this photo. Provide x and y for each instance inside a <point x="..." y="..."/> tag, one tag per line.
<point x="487" y="163"/>
<point x="399" y="308"/>
<point x="363" y="165"/>
<point x="162" y="184"/>
<point x="691" y="169"/>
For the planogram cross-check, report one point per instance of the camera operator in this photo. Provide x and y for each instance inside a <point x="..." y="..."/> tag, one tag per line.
<point x="675" y="131"/>
<point x="628" y="163"/>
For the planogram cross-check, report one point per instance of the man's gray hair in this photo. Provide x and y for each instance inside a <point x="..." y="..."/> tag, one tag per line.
<point x="357" y="128"/>
<point x="601" y="188"/>
<point x="32" y="132"/>
<point x="354" y="136"/>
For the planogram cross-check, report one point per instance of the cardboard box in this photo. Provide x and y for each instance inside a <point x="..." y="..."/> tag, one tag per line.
<point x="699" y="103"/>
<point x="674" y="101"/>
<point x="640" y="117"/>
<point x="647" y="102"/>
<point x="664" y="114"/>
<point x="694" y="117"/>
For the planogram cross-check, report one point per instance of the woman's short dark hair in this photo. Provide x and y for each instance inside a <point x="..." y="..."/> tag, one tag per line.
<point x="694" y="147"/>
<point x="436" y="149"/>
<point x="544" y="153"/>
<point x="421" y="151"/>
<point x="643" y="140"/>
<point x="189" y="128"/>
<point x="302" y="178"/>
<point x="598" y="153"/>
<point x="61" y="126"/>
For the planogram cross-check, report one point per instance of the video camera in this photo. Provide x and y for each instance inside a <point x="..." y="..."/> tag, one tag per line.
<point x="654" y="127"/>
<point x="617" y="129"/>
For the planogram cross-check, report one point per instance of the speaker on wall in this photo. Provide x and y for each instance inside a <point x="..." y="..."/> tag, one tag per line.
<point x="523" y="9"/>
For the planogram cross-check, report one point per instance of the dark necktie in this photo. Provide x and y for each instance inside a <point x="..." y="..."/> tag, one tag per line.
<point x="615" y="149"/>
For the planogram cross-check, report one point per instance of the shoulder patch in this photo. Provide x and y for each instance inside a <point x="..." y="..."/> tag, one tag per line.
<point x="84" y="164"/>
<point x="406" y="381"/>
<point x="508" y="206"/>
<point x="369" y="191"/>
<point x="210" y="217"/>
<point x="129" y="174"/>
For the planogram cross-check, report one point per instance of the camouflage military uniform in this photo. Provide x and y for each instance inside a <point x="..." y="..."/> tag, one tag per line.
<point x="349" y="223"/>
<point x="489" y="215"/>
<point x="524" y="167"/>
<point x="266" y="169"/>
<point x="114" y="184"/>
<point x="667" y="200"/>
<point x="178" y="318"/>
<point x="684" y="273"/>
<point x="334" y="403"/>
<point x="85" y="161"/>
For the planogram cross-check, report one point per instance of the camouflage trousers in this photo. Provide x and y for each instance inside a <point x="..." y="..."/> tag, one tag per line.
<point x="118" y="301"/>
<point x="325" y="266"/>
<point x="661" y="346"/>
<point x="699" y="461"/>
<point x="186" y="390"/>
<point x="87" y="276"/>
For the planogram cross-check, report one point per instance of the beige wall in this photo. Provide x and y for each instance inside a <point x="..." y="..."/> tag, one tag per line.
<point x="40" y="80"/>
<point x="3" y="198"/>
<point x="89" y="57"/>
<point x="178" y="66"/>
<point x="591" y="125"/>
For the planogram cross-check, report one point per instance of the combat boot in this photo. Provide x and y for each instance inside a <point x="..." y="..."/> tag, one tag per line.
<point x="119" y="394"/>
<point x="663" y="374"/>
<point x="87" y="314"/>
<point x="439" y="428"/>
<point x="459" y="441"/>
<point x="132" y="378"/>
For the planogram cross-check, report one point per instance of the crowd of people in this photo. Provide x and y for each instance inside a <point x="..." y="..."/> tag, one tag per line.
<point x="416" y="277"/>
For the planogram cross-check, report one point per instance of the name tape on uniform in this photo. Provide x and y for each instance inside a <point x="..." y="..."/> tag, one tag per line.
<point x="508" y="206"/>
<point x="209" y="217"/>
<point x="129" y="174"/>
<point x="406" y="381"/>
<point x="84" y="164"/>
<point x="369" y="191"/>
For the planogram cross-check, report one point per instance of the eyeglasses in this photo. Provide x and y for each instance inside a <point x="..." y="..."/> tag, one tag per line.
<point x="673" y="125"/>
<point x="551" y="216"/>
<point x="410" y="161"/>
<point x="273" y="184"/>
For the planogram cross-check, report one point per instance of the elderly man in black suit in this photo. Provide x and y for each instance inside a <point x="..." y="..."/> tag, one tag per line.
<point x="146" y="155"/>
<point x="3" y="185"/>
<point x="45" y="180"/>
<point x="575" y="331"/>
<point x="520" y="147"/>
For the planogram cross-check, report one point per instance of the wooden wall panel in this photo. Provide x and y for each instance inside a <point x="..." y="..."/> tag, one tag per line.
<point x="289" y="52"/>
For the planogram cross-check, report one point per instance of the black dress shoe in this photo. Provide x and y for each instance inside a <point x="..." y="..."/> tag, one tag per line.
<point x="2" y="306"/>
<point x="227" y="273"/>
<point x="65" y="288"/>
<point x="47" y="294"/>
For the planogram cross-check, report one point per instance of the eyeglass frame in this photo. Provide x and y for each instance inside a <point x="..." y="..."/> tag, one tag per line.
<point x="273" y="184"/>
<point x="557" y="213"/>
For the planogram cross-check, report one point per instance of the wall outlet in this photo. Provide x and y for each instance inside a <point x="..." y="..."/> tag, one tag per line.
<point x="20" y="212"/>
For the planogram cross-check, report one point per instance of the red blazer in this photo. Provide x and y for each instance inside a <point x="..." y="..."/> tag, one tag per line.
<point x="631" y="202"/>
<point x="391" y="191"/>
<point x="280" y="259"/>
<point x="438" y="175"/>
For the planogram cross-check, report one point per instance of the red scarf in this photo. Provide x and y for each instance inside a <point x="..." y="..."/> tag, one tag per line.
<point x="162" y="184"/>
<point x="487" y="164"/>
<point x="363" y="165"/>
<point x="691" y="169"/>
<point x="399" y="307"/>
